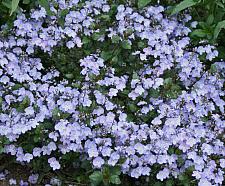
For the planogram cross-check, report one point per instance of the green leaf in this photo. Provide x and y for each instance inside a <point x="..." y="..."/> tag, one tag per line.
<point x="199" y="33"/>
<point x="203" y="24"/>
<point x="135" y="75"/>
<point x="183" y="5"/>
<point x="14" y="6"/>
<point x="210" y="19"/>
<point x="17" y="86"/>
<point x="115" y="171"/>
<point x="69" y="76"/>
<point x="56" y="113"/>
<point x="61" y="19"/>
<point x="220" y="4"/>
<point x="169" y="183"/>
<point x="86" y="165"/>
<point x="174" y="91"/>
<point x="126" y="45"/>
<point x="143" y="3"/>
<point x="1" y="149"/>
<point x="105" y="17"/>
<point x="106" y="55"/>
<point x="180" y="161"/>
<point x="141" y="44"/>
<point x="183" y="178"/>
<point x="26" y="2"/>
<point x="213" y="68"/>
<point x="96" y="178"/>
<point x="171" y="150"/>
<point x="204" y="119"/>
<point x="115" y="179"/>
<point x="7" y="4"/>
<point x="85" y="40"/>
<point x="96" y="36"/>
<point x="221" y="51"/>
<point x="130" y="118"/>
<point x="36" y="139"/>
<point x="218" y="28"/>
<point x="158" y="184"/>
<point x="1" y="100"/>
<point x="154" y="93"/>
<point x="115" y="59"/>
<point x="25" y="102"/>
<point x="132" y="107"/>
<point x="168" y="81"/>
<point x="115" y="39"/>
<point x="125" y="92"/>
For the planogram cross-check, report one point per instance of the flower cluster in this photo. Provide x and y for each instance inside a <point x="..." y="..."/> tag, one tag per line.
<point x="168" y="110"/>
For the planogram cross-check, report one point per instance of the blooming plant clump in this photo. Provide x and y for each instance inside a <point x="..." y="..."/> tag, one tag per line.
<point x="135" y="94"/>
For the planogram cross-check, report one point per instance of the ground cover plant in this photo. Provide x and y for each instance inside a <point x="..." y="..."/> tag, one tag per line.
<point x="112" y="92"/>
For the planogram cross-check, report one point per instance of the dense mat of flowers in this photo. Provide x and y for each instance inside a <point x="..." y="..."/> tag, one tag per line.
<point x="133" y="120"/>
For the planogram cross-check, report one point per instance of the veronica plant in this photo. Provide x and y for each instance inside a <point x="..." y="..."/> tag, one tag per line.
<point x="136" y="95"/>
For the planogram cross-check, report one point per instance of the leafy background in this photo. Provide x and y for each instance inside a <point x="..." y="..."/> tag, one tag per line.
<point x="210" y="15"/>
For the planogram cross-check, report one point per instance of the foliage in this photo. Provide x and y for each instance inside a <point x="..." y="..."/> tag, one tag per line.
<point x="52" y="113"/>
<point x="143" y="3"/>
<point x="209" y="13"/>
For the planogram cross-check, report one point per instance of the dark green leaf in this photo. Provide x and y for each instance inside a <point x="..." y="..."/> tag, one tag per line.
<point x="154" y="93"/>
<point x="115" y="179"/>
<point x="115" y="171"/>
<point x="36" y="139"/>
<point x="69" y="76"/>
<point x="85" y="40"/>
<point x="169" y="183"/>
<point x="106" y="55"/>
<point x="61" y="19"/>
<point x="158" y="184"/>
<point x="115" y="59"/>
<point x="220" y="4"/>
<point x="105" y="17"/>
<point x="141" y="44"/>
<point x="56" y="113"/>
<point x="143" y="3"/>
<point x="115" y="39"/>
<point x="213" y="68"/>
<point x="183" y="178"/>
<point x="199" y="33"/>
<point x="26" y="2"/>
<point x="132" y="107"/>
<point x="180" y="161"/>
<point x="204" y="119"/>
<point x="135" y="75"/>
<point x="96" y="36"/>
<point x="183" y="5"/>
<point x="86" y="164"/>
<point x="7" y="4"/>
<point x="96" y="178"/>
<point x="210" y="19"/>
<point x="168" y="81"/>
<point x="25" y="102"/>
<point x="14" y="6"/>
<point x="1" y="149"/>
<point x="218" y="28"/>
<point x="1" y="100"/>
<point x="17" y="86"/>
<point x="203" y="24"/>
<point x="130" y="118"/>
<point x="126" y="45"/>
